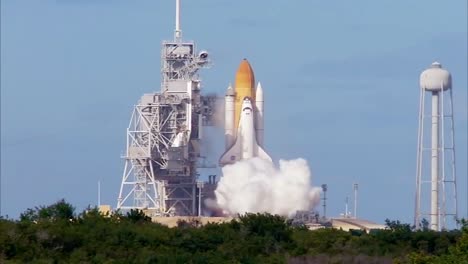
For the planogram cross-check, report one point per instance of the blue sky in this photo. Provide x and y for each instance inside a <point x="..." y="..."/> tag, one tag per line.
<point x="340" y="82"/>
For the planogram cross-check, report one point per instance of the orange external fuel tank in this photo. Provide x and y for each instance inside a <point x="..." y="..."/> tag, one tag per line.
<point x="244" y="86"/>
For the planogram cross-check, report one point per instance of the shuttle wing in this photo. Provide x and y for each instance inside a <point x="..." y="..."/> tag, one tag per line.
<point x="231" y="155"/>
<point x="234" y="154"/>
<point x="262" y="154"/>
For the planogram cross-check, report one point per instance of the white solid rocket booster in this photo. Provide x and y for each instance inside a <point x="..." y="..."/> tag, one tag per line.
<point x="229" y="132"/>
<point x="259" y="114"/>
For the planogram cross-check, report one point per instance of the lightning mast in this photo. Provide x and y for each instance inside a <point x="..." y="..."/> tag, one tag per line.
<point x="165" y="132"/>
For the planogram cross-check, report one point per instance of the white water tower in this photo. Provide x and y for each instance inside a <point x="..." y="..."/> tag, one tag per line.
<point x="436" y="188"/>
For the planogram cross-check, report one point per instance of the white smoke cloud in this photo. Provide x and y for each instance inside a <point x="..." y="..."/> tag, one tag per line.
<point x="258" y="186"/>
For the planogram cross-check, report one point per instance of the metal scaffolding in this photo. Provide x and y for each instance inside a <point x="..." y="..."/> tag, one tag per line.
<point x="164" y="135"/>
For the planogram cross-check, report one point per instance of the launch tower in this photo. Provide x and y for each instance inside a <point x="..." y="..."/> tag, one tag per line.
<point x="164" y="135"/>
<point x="436" y="154"/>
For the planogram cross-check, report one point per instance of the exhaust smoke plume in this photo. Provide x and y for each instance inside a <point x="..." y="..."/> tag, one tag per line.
<point x="258" y="186"/>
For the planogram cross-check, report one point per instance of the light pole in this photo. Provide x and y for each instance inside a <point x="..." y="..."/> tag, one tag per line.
<point x="324" y="189"/>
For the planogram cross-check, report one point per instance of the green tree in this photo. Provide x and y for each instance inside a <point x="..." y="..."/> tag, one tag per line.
<point x="61" y="210"/>
<point x="458" y="253"/>
<point x="137" y="216"/>
<point x="45" y="234"/>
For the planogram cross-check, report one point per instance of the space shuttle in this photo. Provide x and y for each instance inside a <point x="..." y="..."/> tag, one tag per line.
<point x="243" y="122"/>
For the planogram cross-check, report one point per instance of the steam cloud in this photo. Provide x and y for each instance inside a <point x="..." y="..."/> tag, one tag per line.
<point x="257" y="186"/>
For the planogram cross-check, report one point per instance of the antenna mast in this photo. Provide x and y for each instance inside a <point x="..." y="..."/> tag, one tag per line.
<point x="99" y="193"/>
<point x="346" y="207"/>
<point x="177" y="32"/>
<point x="355" y="188"/>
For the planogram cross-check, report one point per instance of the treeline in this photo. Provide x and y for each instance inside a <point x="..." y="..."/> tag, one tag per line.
<point x="56" y="234"/>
